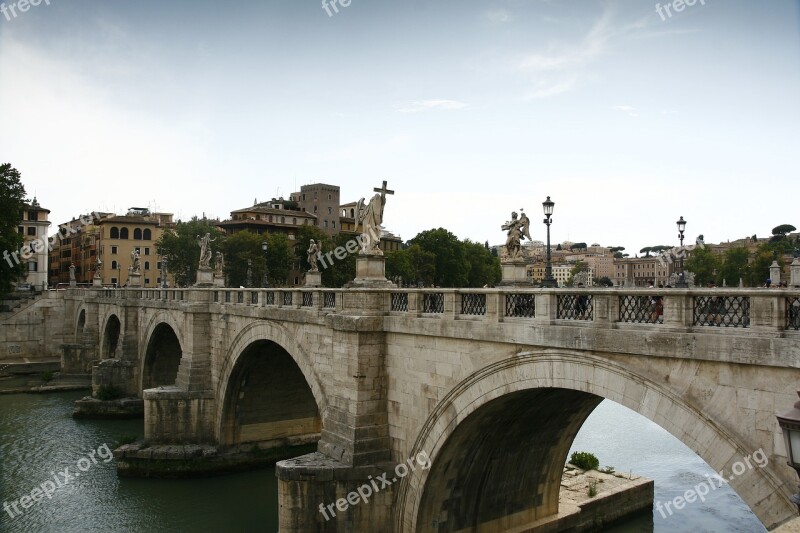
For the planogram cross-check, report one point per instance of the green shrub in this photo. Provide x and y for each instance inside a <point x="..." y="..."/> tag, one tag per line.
<point x="592" y="488"/>
<point x="108" y="393"/>
<point x="47" y="376"/>
<point x="584" y="460"/>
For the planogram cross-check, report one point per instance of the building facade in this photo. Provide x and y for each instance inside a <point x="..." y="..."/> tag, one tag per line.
<point x="35" y="255"/>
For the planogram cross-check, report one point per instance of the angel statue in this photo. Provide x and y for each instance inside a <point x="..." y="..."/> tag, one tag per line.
<point x="135" y="265"/>
<point x="205" y="251"/>
<point x="518" y="229"/>
<point x="370" y="217"/>
<point x="313" y="251"/>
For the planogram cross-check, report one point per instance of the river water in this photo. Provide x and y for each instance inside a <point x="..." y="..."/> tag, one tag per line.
<point x="39" y="440"/>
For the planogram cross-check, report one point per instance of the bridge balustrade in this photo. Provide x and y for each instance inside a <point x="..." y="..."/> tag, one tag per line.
<point x="793" y="313"/>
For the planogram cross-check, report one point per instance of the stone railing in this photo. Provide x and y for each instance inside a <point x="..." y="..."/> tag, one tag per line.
<point x="705" y="309"/>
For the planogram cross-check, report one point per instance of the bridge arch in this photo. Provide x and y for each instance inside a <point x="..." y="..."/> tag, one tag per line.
<point x="541" y="399"/>
<point x="109" y="342"/>
<point x="268" y="390"/>
<point x="80" y="323"/>
<point x="162" y="352"/>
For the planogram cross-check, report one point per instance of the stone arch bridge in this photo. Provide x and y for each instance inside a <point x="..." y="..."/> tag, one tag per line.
<point x="491" y="384"/>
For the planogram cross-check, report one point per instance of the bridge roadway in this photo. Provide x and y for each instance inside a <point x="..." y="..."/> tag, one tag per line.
<point x="491" y="384"/>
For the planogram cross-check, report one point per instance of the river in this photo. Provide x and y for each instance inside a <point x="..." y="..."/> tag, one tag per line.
<point x="39" y="439"/>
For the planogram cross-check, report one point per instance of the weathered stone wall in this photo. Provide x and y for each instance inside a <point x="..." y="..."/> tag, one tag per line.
<point x="35" y="331"/>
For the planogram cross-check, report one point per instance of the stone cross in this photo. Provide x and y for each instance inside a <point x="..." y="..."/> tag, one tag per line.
<point x="383" y="190"/>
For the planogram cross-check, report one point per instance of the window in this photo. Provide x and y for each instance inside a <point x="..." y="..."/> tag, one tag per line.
<point x="283" y="220"/>
<point x="147" y="265"/>
<point x="32" y="231"/>
<point x="138" y="250"/>
<point x="330" y="210"/>
<point x="113" y="250"/>
<point x="315" y="197"/>
<point x="326" y="223"/>
<point x="158" y="265"/>
<point x="352" y="213"/>
<point x="123" y="233"/>
<point x="137" y="234"/>
<point x="33" y="266"/>
<point x="304" y="197"/>
<point x="115" y="233"/>
<point x="294" y="221"/>
<point x="147" y="281"/>
<point x="329" y="197"/>
<point x="315" y="209"/>
<point x="148" y="235"/>
<point x="333" y="223"/>
<point x="113" y="281"/>
<point x="32" y="216"/>
<point x="113" y="265"/>
<point x="147" y="251"/>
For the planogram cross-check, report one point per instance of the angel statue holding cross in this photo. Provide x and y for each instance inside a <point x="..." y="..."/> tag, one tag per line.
<point x="370" y="217"/>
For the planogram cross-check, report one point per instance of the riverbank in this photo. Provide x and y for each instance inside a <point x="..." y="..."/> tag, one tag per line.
<point x="39" y="377"/>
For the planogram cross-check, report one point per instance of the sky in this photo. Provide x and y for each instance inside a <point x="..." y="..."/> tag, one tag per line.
<point x="626" y="118"/>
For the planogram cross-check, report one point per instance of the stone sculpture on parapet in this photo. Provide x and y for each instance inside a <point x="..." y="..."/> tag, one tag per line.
<point x="205" y="276"/>
<point x="135" y="270"/>
<point x="518" y="229"/>
<point x="370" y="262"/>
<point x="313" y="276"/>
<point x="97" y="281"/>
<point x="219" y="270"/>
<point x="512" y="262"/>
<point x="370" y="217"/>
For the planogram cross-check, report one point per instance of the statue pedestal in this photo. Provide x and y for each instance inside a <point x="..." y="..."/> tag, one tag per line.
<point x="97" y="282"/>
<point x="795" y="273"/>
<point x="775" y="273"/>
<point x="134" y="280"/>
<point x="205" y="278"/>
<point x="370" y="273"/>
<point x="313" y="279"/>
<point x="219" y="281"/>
<point x="73" y="283"/>
<point x="515" y="274"/>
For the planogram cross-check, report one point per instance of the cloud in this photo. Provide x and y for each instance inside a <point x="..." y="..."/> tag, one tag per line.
<point x="628" y="110"/>
<point x="545" y="90"/>
<point x="425" y="105"/>
<point x="499" y="16"/>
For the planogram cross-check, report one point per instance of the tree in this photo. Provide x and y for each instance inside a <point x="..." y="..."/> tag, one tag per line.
<point x="604" y="281"/>
<point x="412" y="264"/>
<point x="339" y="271"/>
<point x="12" y="198"/>
<point x="238" y="249"/>
<point x="646" y="250"/>
<point x="758" y="271"/>
<point x="578" y="246"/>
<point x="280" y="257"/>
<point x="580" y="266"/>
<point x="783" y="229"/>
<point x="616" y="249"/>
<point x="735" y="265"/>
<point x="484" y="268"/>
<point x="179" y="245"/>
<point x="452" y="269"/>
<point x="704" y="263"/>
<point x="558" y="247"/>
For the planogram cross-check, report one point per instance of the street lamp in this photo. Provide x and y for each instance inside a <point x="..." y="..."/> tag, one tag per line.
<point x="264" y="248"/>
<point x="548" y="281"/>
<point x="249" y="273"/>
<point x="681" y="284"/>
<point x="790" y="425"/>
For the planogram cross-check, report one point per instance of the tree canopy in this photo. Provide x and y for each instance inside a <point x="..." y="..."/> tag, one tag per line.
<point x="783" y="229"/>
<point x="179" y="245"/>
<point x="12" y="198"/>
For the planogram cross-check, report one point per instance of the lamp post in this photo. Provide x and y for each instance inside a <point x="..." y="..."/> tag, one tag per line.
<point x="790" y="425"/>
<point x="264" y="248"/>
<point x="249" y="273"/>
<point x="681" y="284"/>
<point x="548" y="281"/>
